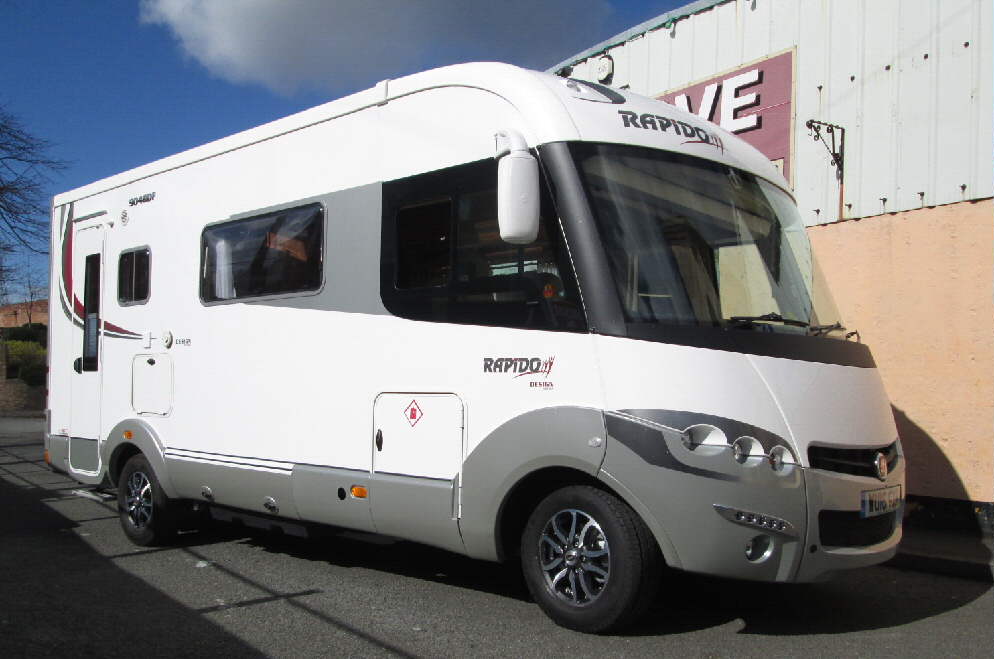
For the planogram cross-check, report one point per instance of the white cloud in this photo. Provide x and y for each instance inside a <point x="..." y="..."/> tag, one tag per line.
<point x="342" y="45"/>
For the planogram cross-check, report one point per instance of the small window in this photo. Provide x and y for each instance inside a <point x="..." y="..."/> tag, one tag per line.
<point x="272" y="254"/>
<point x="133" y="276"/>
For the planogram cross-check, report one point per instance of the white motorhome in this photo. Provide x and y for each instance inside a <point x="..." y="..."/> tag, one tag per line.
<point x="512" y="315"/>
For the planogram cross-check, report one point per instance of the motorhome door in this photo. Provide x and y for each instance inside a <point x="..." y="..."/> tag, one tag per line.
<point x="86" y="295"/>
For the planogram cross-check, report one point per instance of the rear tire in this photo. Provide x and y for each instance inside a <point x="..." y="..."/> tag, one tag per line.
<point x="147" y="515"/>
<point x="589" y="560"/>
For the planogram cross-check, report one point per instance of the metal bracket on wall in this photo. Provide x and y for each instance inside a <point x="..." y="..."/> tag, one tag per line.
<point x="836" y="149"/>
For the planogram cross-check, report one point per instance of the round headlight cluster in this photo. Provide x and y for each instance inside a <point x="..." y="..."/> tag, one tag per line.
<point x="778" y="457"/>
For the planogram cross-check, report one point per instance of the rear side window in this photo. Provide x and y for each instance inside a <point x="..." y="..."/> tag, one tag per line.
<point x="443" y="259"/>
<point x="133" y="272"/>
<point x="275" y="253"/>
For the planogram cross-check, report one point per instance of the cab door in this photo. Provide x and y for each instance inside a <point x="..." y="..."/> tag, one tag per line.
<point x="417" y="456"/>
<point x="87" y="339"/>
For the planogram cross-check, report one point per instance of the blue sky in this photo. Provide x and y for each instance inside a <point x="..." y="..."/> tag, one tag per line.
<point x="117" y="83"/>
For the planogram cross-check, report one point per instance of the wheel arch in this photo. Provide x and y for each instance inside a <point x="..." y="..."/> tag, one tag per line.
<point x="129" y="438"/>
<point x="521" y="499"/>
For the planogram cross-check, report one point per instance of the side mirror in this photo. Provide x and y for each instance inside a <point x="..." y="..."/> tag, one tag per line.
<point x="517" y="189"/>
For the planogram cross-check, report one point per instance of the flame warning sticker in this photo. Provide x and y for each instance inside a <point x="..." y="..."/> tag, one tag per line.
<point x="413" y="413"/>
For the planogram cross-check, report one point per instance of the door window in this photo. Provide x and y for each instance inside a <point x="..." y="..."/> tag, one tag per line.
<point x="91" y="313"/>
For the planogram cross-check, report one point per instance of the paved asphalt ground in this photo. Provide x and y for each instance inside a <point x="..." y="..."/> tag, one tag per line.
<point x="71" y="585"/>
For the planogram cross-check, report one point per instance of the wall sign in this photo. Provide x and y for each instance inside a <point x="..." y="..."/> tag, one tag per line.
<point x="755" y="102"/>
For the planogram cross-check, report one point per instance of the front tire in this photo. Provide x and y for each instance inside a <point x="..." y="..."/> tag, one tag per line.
<point x="589" y="561"/>
<point x="147" y="515"/>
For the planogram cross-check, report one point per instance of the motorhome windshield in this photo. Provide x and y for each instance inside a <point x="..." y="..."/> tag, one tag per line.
<point x="694" y="242"/>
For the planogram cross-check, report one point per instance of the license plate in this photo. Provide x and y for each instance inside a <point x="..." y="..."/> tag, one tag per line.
<point x="880" y="502"/>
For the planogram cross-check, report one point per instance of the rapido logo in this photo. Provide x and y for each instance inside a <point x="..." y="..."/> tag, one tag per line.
<point x="519" y="366"/>
<point x="647" y="121"/>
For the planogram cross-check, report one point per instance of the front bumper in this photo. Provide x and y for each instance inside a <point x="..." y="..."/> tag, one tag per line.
<point x="834" y="500"/>
<point x="691" y="500"/>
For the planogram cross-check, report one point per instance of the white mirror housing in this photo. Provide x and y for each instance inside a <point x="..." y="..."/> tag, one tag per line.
<point x="517" y="190"/>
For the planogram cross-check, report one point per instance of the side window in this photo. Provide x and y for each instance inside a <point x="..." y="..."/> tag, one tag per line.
<point x="271" y="254"/>
<point x="443" y="259"/>
<point x="133" y="272"/>
<point x="91" y="313"/>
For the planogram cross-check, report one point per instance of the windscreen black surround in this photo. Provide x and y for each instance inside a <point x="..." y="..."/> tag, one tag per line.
<point x="677" y="249"/>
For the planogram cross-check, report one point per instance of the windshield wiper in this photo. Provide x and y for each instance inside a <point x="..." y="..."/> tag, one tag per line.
<point x="818" y="330"/>
<point x="744" y="321"/>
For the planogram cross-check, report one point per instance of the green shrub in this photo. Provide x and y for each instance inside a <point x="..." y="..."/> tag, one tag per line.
<point x="27" y="358"/>
<point x="36" y="332"/>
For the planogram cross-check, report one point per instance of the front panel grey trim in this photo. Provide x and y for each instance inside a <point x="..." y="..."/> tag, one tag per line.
<point x="732" y="428"/>
<point x="652" y="443"/>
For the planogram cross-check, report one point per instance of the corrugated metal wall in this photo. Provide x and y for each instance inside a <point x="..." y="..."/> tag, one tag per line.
<point x="909" y="80"/>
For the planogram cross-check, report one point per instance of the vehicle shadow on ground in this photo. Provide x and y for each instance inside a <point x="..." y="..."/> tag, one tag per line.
<point x="62" y="598"/>
<point x="873" y="598"/>
<point x="398" y="557"/>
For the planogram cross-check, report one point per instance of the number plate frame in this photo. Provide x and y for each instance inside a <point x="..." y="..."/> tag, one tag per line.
<point x="880" y="501"/>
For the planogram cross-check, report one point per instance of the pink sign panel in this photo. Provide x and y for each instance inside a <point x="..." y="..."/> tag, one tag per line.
<point x="753" y="102"/>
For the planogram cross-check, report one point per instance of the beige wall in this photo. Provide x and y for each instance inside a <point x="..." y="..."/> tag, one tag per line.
<point x="918" y="286"/>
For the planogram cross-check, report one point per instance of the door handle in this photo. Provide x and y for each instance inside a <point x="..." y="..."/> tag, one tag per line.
<point x="77" y="365"/>
<point x="379" y="440"/>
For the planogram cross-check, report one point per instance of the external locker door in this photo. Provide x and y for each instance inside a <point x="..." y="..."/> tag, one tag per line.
<point x="417" y="457"/>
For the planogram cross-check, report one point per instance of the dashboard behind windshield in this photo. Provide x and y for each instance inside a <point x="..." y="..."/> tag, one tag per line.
<point x="694" y="242"/>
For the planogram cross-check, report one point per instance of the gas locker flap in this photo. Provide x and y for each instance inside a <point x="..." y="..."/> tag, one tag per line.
<point x="418" y="434"/>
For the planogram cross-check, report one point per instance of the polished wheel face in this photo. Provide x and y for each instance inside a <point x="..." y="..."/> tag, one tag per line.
<point x="138" y="500"/>
<point x="575" y="557"/>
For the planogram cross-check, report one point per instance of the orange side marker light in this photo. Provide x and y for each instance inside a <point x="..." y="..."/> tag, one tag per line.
<point x="359" y="492"/>
<point x="128" y="434"/>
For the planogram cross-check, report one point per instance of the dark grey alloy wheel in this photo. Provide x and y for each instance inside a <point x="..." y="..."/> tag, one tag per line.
<point x="575" y="557"/>
<point x="589" y="560"/>
<point x="147" y="515"/>
<point x="138" y="500"/>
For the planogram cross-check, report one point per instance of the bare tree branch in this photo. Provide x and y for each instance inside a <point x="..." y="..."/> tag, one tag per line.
<point x="24" y="169"/>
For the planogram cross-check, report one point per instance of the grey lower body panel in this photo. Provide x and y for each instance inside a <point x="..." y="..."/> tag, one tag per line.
<point x="324" y="495"/>
<point x="58" y="452"/>
<point x="237" y="486"/>
<point x="419" y="509"/>
<point x="84" y="454"/>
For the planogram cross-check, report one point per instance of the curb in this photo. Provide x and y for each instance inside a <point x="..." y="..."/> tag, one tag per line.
<point x="943" y="565"/>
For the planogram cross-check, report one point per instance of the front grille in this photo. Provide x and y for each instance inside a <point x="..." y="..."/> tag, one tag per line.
<point x="855" y="461"/>
<point x="842" y="528"/>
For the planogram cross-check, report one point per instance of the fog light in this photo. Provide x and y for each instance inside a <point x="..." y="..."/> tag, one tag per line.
<point x="759" y="548"/>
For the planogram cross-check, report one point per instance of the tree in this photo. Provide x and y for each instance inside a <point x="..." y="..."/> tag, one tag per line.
<point x="24" y="168"/>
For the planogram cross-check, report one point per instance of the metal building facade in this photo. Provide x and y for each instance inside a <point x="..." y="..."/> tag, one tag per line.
<point x="910" y="81"/>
